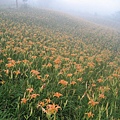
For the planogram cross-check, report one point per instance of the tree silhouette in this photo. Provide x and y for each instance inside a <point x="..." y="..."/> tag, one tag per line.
<point x="25" y="0"/>
<point x="25" y="3"/>
<point x="16" y="3"/>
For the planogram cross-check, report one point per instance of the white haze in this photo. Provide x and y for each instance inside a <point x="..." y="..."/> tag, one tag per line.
<point x="101" y="7"/>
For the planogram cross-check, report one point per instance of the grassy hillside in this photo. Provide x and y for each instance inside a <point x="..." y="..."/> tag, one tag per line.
<point x="57" y="67"/>
<point x="111" y="21"/>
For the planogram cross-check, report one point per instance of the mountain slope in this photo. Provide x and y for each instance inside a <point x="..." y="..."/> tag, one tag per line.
<point x="55" y="66"/>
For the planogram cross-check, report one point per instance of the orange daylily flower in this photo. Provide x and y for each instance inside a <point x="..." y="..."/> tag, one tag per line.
<point x="102" y="89"/>
<point x="48" y="100"/>
<point x="53" y="49"/>
<point x="46" y="75"/>
<point x="66" y="59"/>
<point x="17" y="72"/>
<point x="57" y="61"/>
<point x="18" y="62"/>
<point x="6" y="71"/>
<point x="9" y="58"/>
<point x="23" y="100"/>
<point x="92" y="102"/>
<point x="9" y="65"/>
<point x="79" y="79"/>
<point x="101" y="96"/>
<point x="57" y="94"/>
<point x="34" y="57"/>
<point x="69" y="75"/>
<point x="12" y="61"/>
<point x="40" y="104"/>
<point x="33" y="96"/>
<point x="89" y="114"/>
<point x="1" y="33"/>
<point x="49" y="65"/>
<point x="63" y="82"/>
<point x="73" y="55"/>
<point x="73" y="82"/>
<point x="60" y="73"/>
<point x="51" y="109"/>
<point x="100" y="80"/>
<point x="35" y="72"/>
<point x="30" y="90"/>
<point x="93" y="85"/>
<point x="91" y="64"/>
<point x="25" y="61"/>
<point x="1" y="61"/>
<point x="38" y="77"/>
<point x="115" y="75"/>
<point x="51" y="58"/>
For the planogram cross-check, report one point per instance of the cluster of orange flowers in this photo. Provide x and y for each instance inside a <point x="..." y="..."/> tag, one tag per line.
<point x="51" y="109"/>
<point x="30" y="95"/>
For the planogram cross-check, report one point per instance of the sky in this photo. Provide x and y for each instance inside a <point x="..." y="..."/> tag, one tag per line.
<point x="90" y="6"/>
<point x="101" y="7"/>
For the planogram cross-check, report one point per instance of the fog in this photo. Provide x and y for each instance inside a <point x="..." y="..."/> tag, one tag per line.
<point x="100" y="7"/>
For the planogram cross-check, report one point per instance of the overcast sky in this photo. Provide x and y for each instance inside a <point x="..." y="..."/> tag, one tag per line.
<point x="90" y="6"/>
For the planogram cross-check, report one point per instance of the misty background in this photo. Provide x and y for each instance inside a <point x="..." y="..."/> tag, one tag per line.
<point x="101" y="7"/>
<point x="106" y="12"/>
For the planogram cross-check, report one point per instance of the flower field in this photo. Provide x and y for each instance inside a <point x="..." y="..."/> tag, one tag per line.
<point x="57" y="67"/>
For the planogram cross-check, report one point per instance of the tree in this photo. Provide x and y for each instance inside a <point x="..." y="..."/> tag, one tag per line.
<point x="25" y="0"/>
<point x="16" y="3"/>
<point x="25" y="3"/>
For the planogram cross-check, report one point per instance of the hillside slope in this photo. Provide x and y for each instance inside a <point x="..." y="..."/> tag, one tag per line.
<point x="57" y="67"/>
<point x="81" y="29"/>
